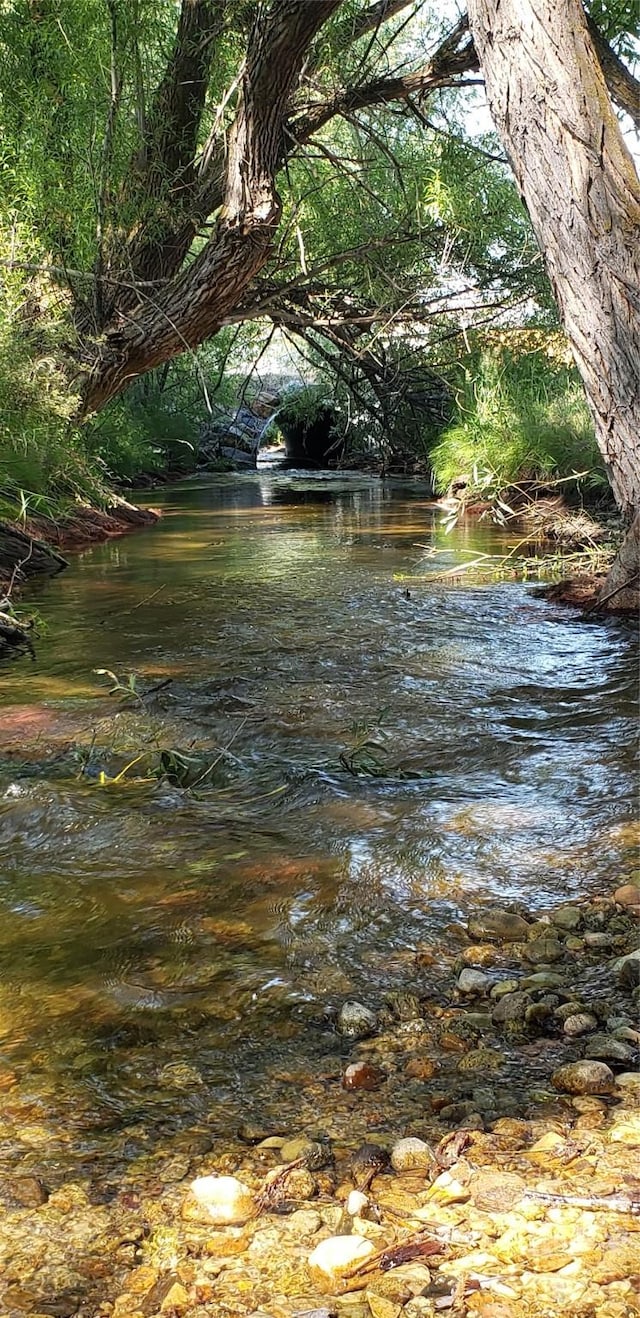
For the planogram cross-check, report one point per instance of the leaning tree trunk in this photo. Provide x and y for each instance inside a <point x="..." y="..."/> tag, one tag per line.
<point x="194" y="306"/>
<point x="551" y="107"/>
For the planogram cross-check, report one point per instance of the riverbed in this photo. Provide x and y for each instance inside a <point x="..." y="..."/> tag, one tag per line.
<point x="265" y="762"/>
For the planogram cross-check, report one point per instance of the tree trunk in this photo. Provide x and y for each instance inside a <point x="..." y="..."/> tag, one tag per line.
<point x="195" y="305"/>
<point x="549" y="100"/>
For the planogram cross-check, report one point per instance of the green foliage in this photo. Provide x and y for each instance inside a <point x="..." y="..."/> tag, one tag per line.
<point x="520" y="418"/>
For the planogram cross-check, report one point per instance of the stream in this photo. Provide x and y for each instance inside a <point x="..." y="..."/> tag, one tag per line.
<point x="341" y="759"/>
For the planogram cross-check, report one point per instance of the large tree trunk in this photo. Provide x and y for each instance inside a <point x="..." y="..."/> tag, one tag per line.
<point x="549" y="100"/>
<point x="195" y="305"/>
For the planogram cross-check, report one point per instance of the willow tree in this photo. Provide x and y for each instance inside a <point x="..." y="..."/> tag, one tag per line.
<point x="547" y="92"/>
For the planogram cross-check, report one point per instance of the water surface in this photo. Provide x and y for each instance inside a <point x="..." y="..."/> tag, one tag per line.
<point x="381" y="752"/>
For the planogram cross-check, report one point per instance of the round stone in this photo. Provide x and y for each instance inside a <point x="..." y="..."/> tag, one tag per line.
<point x="541" y="951"/>
<point x="356" y="1021"/>
<point x="580" y="1023"/>
<point x="586" y="1077"/>
<point x="511" y="1007"/>
<point x="608" y="1049"/>
<point x="473" y="981"/>
<point x="227" y="1201"/>
<point x="627" y="895"/>
<point x="568" y="918"/>
<point x="494" y="923"/>
<point x="332" y="1263"/>
<point x="411" y="1155"/>
<point x="627" y="969"/>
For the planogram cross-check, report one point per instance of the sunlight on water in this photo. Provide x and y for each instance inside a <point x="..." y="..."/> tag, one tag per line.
<point x="373" y="764"/>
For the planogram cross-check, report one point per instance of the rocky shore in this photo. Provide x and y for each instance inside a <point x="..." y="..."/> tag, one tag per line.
<point x="475" y="1152"/>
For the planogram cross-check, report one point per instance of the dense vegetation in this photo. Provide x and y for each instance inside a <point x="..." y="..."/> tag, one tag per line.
<point x="155" y="231"/>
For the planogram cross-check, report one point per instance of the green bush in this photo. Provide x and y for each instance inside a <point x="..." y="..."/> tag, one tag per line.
<point x="518" y="419"/>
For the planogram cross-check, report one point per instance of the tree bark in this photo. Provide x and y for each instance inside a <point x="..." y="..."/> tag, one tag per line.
<point x="194" y="306"/>
<point x="550" y="104"/>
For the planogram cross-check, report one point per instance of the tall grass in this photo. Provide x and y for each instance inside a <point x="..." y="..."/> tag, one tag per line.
<point x="519" y="418"/>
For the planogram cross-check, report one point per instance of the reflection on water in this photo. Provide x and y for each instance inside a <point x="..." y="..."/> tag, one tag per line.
<point x="145" y="928"/>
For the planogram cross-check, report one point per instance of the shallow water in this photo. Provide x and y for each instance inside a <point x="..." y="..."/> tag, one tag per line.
<point x="170" y="957"/>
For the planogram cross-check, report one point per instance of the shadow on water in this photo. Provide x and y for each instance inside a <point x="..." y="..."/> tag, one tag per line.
<point x="174" y="957"/>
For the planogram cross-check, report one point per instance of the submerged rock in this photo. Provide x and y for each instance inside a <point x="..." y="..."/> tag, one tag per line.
<point x="333" y="1261"/>
<point x="511" y="1007"/>
<point x="356" y="1021"/>
<point x="543" y="950"/>
<point x="362" y="1075"/>
<point x="586" y="1077"/>
<point x="227" y="1201"/>
<point x="608" y="1049"/>
<point x="473" y="981"/>
<point x="494" y="923"/>
<point x="411" y="1155"/>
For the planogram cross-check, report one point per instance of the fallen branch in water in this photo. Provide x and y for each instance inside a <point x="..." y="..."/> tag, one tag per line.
<point x="612" y="1203"/>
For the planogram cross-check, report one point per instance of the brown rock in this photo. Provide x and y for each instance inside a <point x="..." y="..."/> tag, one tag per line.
<point x="28" y="1191"/>
<point x="627" y="895"/>
<point x="586" y="1077"/>
<point x="362" y="1075"/>
<point x="421" y="1068"/>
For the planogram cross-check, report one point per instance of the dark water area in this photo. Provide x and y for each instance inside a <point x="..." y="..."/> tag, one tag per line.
<point x="169" y="958"/>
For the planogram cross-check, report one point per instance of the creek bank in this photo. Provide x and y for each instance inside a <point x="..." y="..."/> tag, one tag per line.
<point x="38" y="546"/>
<point x="497" y="1181"/>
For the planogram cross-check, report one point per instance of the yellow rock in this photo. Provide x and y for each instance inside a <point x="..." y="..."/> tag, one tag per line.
<point x="626" y="1131"/>
<point x="142" y="1279"/>
<point x="176" y="1298"/>
<point x="381" y="1307"/>
<point x="620" y="1260"/>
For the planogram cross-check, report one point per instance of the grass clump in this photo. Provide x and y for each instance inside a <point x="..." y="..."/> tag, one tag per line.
<point x="520" y="420"/>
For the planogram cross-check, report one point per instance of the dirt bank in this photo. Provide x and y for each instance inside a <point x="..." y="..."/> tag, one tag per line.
<point x="40" y="543"/>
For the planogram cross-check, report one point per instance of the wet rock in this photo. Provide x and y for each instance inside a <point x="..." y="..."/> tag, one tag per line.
<point x="481" y="1059"/>
<point x="480" y="954"/>
<point x="543" y="979"/>
<point x="627" y="896"/>
<point x="544" y="950"/>
<point x="598" y="940"/>
<point x="496" y="1192"/>
<point x="628" y="1082"/>
<point x="567" y="1009"/>
<point x="627" y="969"/>
<point x="537" y="1014"/>
<point x="304" y="1223"/>
<point x="227" y="1201"/>
<point x="421" y="1068"/>
<point x="504" y="986"/>
<point x="503" y="926"/>
<point x="586" y="1077"/>
<point x="473" y="981"/>
<point x="511" y="1007"/>
<point x="411" y="1155"/>
<point x="380" y="1306"/>
<point x="579" y="1023"/>
<point x="606" y="1048"/>
<point x="362" y="1075"/>
<point x="315" y="1154"/>
<point x="567" y="918"/>
<point x="28" y="1191"/>
<point x="356" y="1021"/>
<point x="332" y="1262"/>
